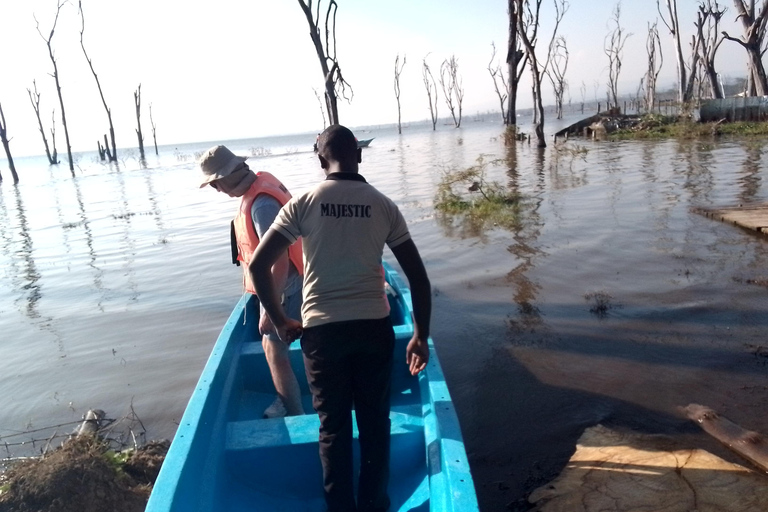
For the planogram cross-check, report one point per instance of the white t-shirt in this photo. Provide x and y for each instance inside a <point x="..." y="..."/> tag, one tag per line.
<point x="344" y="223"/>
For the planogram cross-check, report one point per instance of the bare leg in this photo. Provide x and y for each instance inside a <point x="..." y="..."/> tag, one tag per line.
<point x="285" y="381"/>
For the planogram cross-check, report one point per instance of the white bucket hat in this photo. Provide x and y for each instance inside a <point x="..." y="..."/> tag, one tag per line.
<point x="219" y="162"/>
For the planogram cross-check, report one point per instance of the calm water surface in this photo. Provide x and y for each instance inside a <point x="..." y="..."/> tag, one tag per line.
<point x="115" y="283"/>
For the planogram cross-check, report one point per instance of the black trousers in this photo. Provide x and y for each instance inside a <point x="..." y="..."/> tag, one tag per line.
<point x="350" y="364"/>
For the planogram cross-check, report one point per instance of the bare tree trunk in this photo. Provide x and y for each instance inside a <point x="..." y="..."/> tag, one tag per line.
<point x="527" y="27"/>
<point x="100" y="149"/>
<point x="6" y="146"/>
<point x="398" y="70"/>
<point x="614" y="49"/>
<point x="326" y="54"/>
<point x="54" y="154"/>
<point x="113" y="154"/>
<point x="497" y="75"/>
<point x="431" y="86"/>
<point x="653" y="47"/>
<point x="558" y="65"/>
<point x="137" y="102"/>
<point x="58" y="85"/>
<point x="106" y="150"/>
<point x="154" y="129"/>
<point x="35" y="100"/>
<point x="674" y="28"/>
<point x="708" y="18"/>
<point x="322" y="110"/>
<point x="450" y="82"/>
<point x="752" y="41"/>
<point x="516" y="60"/>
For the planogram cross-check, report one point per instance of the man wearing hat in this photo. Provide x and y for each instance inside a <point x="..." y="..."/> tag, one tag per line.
<point x="261" y="197"/>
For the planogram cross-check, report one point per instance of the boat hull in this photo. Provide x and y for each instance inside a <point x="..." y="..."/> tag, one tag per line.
<point x="225" y="457"/>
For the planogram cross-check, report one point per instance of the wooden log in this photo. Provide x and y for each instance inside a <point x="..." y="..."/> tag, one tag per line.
<point x="746" y="443"/>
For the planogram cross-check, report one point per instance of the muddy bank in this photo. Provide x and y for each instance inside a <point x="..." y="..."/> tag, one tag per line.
<point x="83" y="475"/>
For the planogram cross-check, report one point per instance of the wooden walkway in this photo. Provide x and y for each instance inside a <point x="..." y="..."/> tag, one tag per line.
<point x="753" y="217"/>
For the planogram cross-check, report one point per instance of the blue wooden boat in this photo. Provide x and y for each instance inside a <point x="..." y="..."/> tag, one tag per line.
<point x="225" y="457"/>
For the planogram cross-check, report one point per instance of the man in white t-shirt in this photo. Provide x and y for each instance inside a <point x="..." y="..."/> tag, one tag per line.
<point x="346" y="334"/>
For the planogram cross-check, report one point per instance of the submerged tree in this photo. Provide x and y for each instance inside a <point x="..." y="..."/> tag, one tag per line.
<point x="398" y="70"/>
<point x="334" y="81"/>
<point x="755" y="25"/>
<point x="497" y="75"/>
<point x="516" y="60"/>
<point x="6" y="146"/>
<point x="686" y="73"/>
<point x="707" y="23"/>
<point x="558" y="65"/>
<point x="113" y="154"/>
<point x="655" y="61"/>
<point x="154" y="129"/>
<point x="431" y="86"/>
<point x="614" y="49"/>
<point x="137" y="102"/>
<point x="34" y="98"/>
<point x="450" y="82"/>
<point x="56" y="79"/>
<point x="322" y="110"/>
<point x="527" y="27"/>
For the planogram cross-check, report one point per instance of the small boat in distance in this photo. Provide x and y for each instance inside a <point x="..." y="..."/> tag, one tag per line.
<point x="364" y="143"/>
<point x="360" y="143"/>
<point x="225" y="457"/>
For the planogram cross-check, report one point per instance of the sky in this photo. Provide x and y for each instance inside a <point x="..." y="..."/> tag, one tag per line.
<point x="247" y="68"/>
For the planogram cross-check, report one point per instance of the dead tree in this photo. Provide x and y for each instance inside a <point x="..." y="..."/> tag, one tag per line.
<point x="154" y="129"/>
<point x="614" y="49"/>
<point x="335" y="84"/>
<point x="754" y="23"/>
<point x="322" y="110"/>
<point x="56" y="79"/>
<point x="516" y="60"/>
<point x="558" y="65"/>
<point x="113" y="154"/>
<point x="398" y="70"/>
<point x="527" y="27"/>
<point x="655" y="61"/>
<point x="707" y="23"/>
<point x="54" y="153"/>
<point x="34" y="98"/>
<point x="6" y="146"/>
<point x="686" y="73"/>
<point x="450" y="83"/>
<point x="497" y="75"/>
<point x="583" y="91"/>
<point x="137" y="102"/>
<point x="431" y="86"/>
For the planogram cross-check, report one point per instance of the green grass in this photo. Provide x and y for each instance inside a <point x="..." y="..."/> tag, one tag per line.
<point x="656" y="126"/>
<point x="468" y="195"/>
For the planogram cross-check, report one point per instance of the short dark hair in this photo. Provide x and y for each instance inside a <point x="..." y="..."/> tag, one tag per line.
<point x="337" y="143"/>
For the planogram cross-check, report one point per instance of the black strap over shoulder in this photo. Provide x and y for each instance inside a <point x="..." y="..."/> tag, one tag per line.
<point x="233" y="243"/>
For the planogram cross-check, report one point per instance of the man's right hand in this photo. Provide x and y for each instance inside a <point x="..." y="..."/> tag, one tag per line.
<point x="417" y="354"/>
<point x="290" y="332"/>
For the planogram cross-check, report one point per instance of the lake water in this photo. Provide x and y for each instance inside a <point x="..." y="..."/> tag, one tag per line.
<point x="611" y="302"/>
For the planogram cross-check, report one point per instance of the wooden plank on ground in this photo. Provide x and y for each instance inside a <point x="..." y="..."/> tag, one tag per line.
<point x="753" y="217"/>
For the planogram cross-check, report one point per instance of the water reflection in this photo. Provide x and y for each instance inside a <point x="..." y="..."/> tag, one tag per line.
<point x="29" y="274"/>
<point x="525" y="235"/>
<point x="749" y="178"/>
<point x="128" y="243"/>
<point x="98" y="273"/>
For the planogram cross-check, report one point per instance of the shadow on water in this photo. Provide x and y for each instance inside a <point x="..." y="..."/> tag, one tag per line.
<point x="524" y="403"/>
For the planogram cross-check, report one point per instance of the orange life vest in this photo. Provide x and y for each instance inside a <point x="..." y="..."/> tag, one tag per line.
<point x="245" y="232"/>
